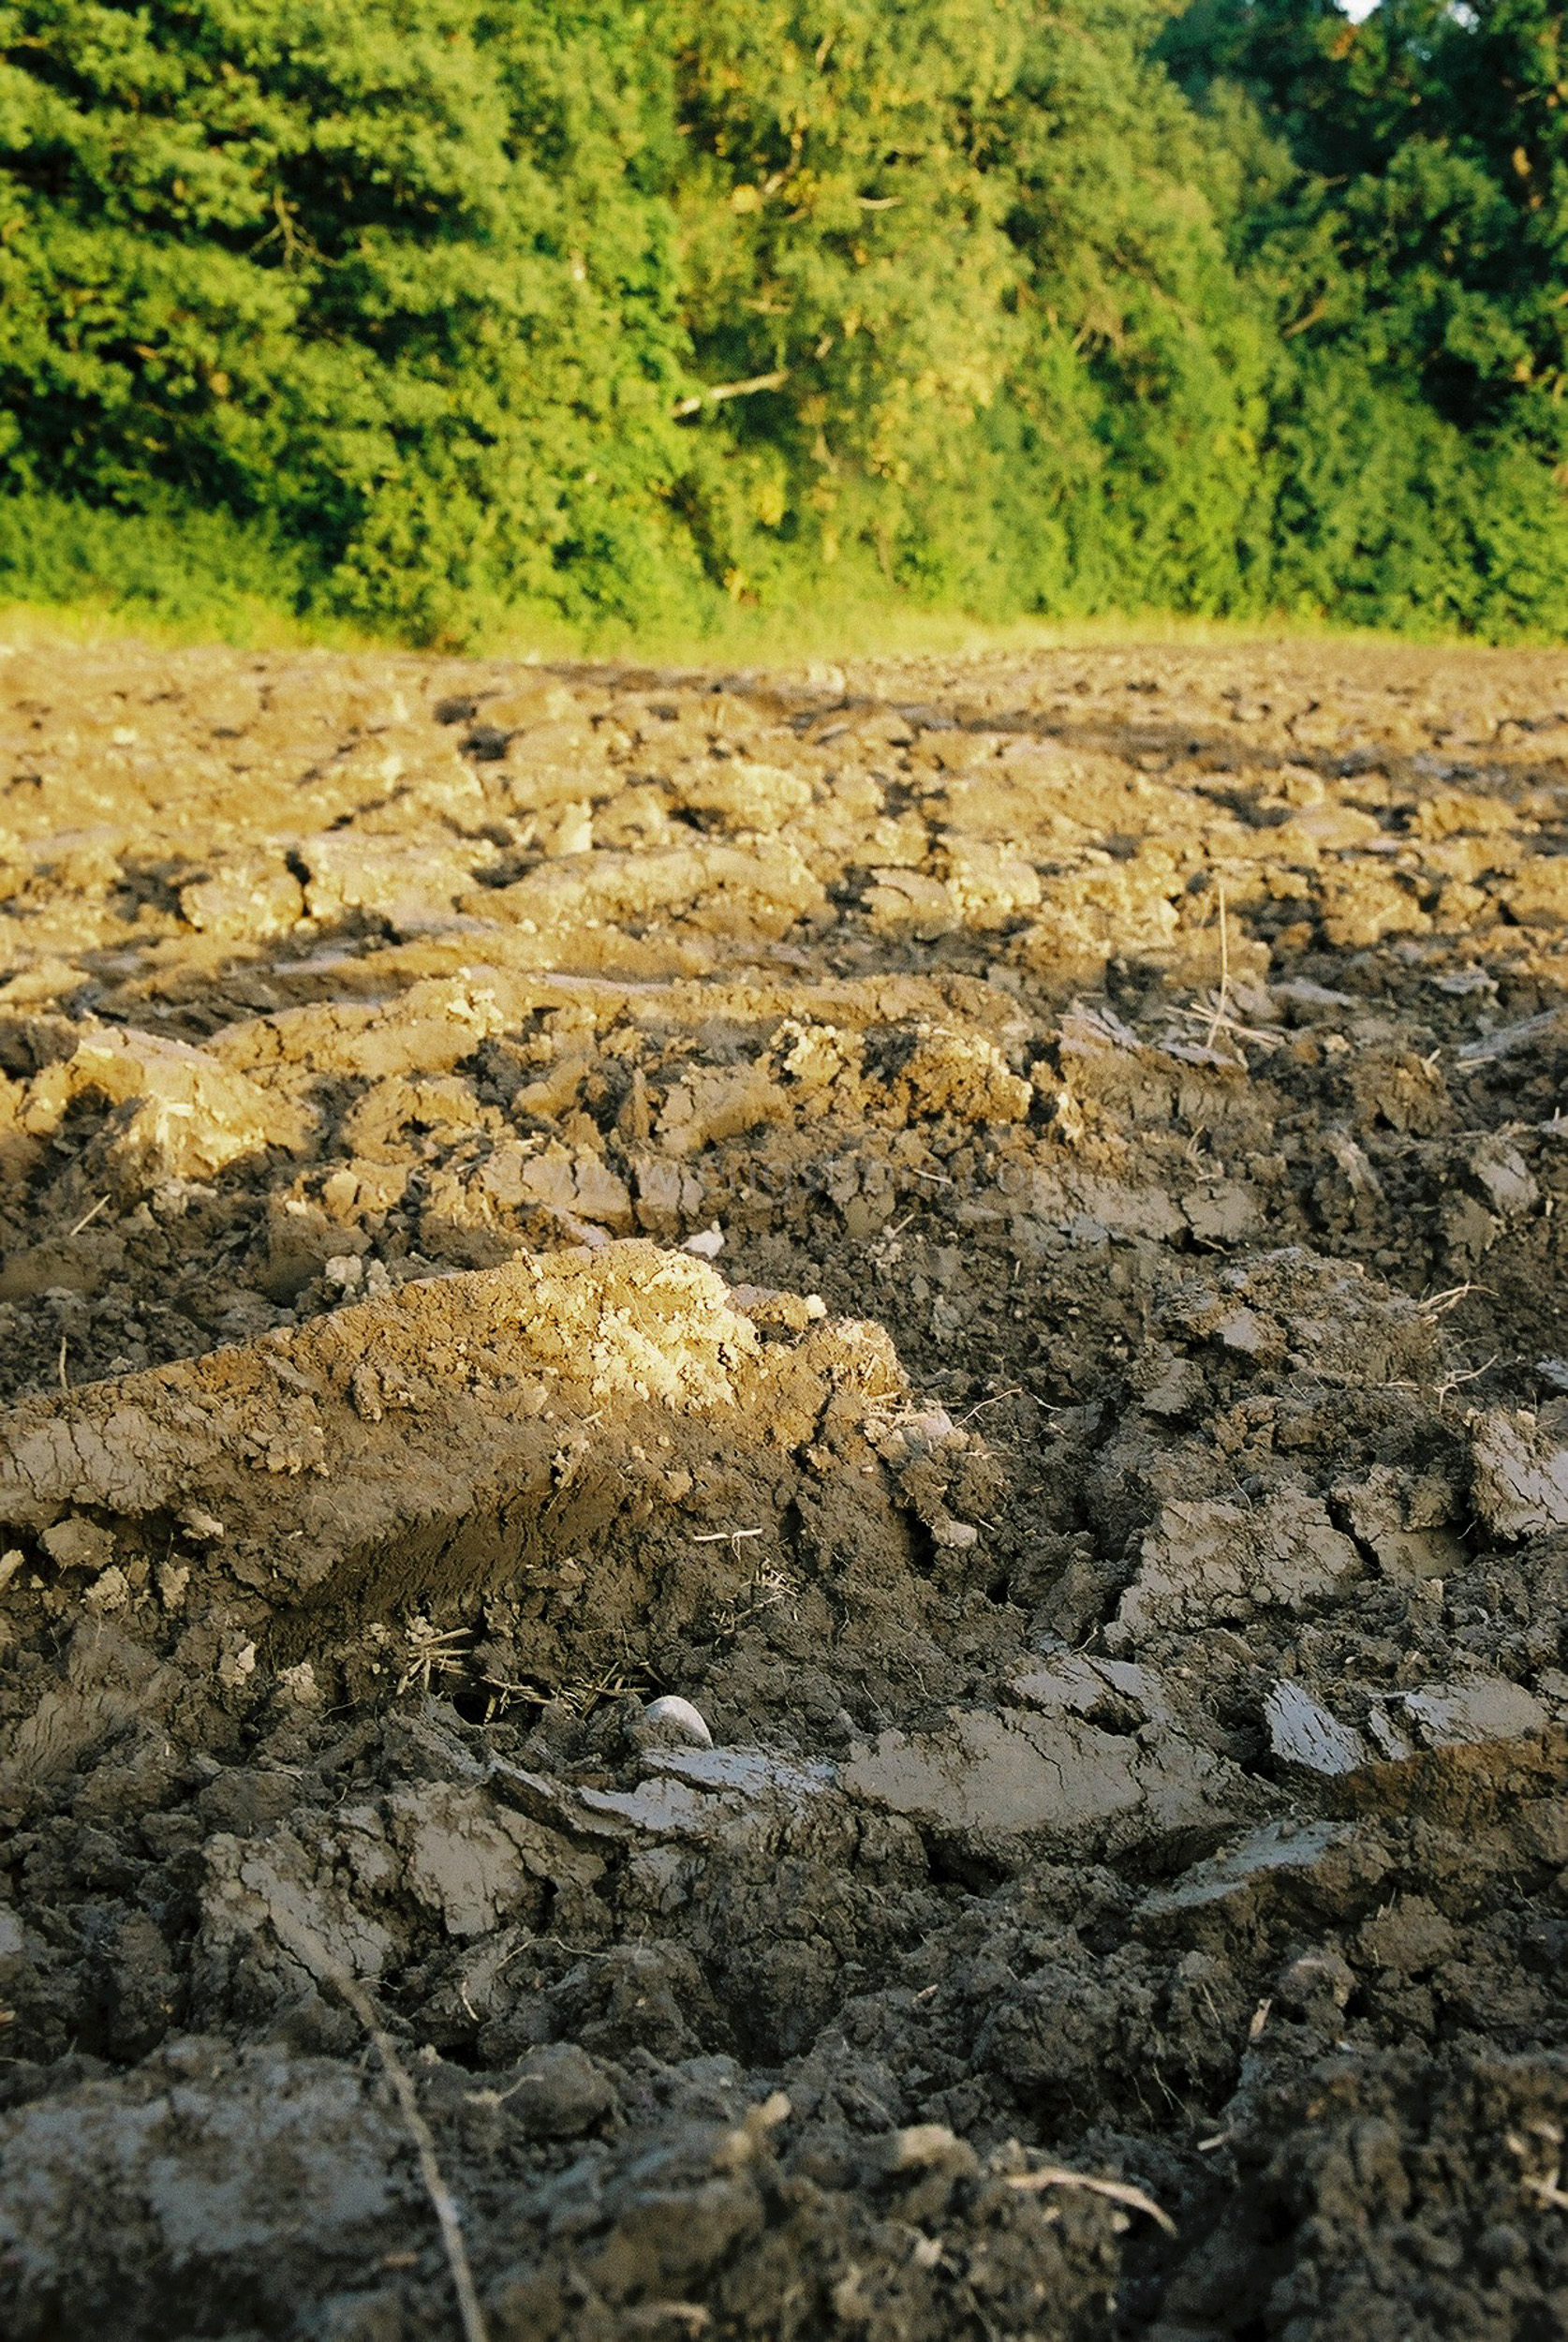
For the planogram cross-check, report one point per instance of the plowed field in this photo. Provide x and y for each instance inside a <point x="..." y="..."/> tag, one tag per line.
<point x="992" y="1228"/>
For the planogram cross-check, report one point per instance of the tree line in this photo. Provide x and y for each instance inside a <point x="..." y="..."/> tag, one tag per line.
<point x="421" y="314"/>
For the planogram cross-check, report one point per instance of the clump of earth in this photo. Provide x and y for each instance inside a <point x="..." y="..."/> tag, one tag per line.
<point x="784" y="1497"/>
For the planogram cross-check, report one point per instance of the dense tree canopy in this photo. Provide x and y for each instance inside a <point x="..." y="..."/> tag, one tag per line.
<point x="423" y="311"/>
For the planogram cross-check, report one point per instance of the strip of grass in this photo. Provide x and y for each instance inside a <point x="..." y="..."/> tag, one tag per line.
<point x="185" y="578"/>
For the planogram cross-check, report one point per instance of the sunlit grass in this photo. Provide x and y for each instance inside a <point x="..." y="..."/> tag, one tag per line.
<point x="241" y="624"/>
<point x="186" y="577"/>
<point x="826" y="636"/>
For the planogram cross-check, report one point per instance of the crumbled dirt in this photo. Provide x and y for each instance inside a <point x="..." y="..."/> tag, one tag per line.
<point x="994" y="1227"/>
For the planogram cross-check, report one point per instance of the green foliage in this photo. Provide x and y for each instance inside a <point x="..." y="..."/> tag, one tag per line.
<point x="380" y="276"/>
<point x="425" y="315"/>
<point x="195" y="571"/>
<point x="1427" y="214"/>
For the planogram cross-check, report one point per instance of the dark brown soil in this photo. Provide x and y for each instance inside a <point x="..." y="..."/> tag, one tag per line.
<point x="992" y="1226"/>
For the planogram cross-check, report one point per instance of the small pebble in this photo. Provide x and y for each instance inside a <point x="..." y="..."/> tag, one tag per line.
<point x="673" y="1719"/>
